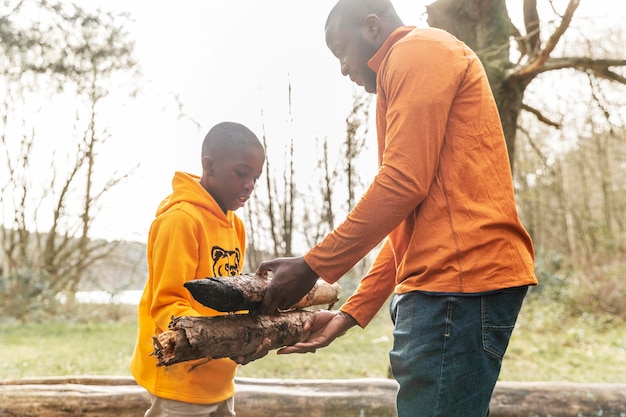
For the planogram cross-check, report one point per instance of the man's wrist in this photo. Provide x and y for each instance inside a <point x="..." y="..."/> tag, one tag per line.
<point x="311" y="274"/>
<point x="347" y="318"/>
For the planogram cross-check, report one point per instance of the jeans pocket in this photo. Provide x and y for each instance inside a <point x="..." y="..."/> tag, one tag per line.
<point x="499" y="313"/>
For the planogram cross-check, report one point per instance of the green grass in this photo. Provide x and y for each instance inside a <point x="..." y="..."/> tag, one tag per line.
<point x="548" y="345"/>
<point x="56" y="349"/>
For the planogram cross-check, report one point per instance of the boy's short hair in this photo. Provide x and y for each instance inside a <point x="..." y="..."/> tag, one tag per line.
<point x="228" y="137"/>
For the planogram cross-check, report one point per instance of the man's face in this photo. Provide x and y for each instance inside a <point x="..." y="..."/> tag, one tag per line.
<point x="233" y="175"/>
<point x="353" y="52"/>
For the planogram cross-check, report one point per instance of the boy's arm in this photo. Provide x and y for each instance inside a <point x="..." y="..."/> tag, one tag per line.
<point x="173" y="260"/>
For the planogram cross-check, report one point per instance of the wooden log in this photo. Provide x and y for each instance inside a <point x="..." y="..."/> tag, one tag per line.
<point x="120" y="396"/>
<point x="364" y="397"/>
<point x="558" y="399"/>
<point x="245" y="292"/>
<point x="227" y="336"/>
<point x="322" y="293"/>
<point x="73" y="396"/>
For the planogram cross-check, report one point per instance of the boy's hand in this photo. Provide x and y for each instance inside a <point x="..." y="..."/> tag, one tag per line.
<point x="292" y="279"/>
<point x="325" y="326"/>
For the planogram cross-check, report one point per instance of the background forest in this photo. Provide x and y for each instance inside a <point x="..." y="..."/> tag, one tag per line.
<point x="559" y="78"/>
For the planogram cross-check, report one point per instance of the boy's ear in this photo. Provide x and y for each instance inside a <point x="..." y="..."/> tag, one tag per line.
<point x="207" y="165"/>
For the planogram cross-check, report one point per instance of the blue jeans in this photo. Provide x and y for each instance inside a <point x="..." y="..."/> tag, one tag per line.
<point x="447" y="350"/>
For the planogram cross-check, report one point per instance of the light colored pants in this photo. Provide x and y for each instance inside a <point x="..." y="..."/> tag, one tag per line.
<point x="161" y="407"/>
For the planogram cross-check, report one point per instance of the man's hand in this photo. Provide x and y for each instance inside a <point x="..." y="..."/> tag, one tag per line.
<point x="325" y="326"/>
<point x="292" y="279"/>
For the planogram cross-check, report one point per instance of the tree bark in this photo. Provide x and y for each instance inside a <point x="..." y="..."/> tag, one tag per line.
<point x="485" y="26"/>
<point x="73" y="396"/>
<point x="368" y="397"/>
<point x="245" y="292"/>
<point x="230" y="336"/>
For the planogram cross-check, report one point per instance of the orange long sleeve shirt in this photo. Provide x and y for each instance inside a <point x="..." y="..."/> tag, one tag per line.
<point x="443" y="196"/>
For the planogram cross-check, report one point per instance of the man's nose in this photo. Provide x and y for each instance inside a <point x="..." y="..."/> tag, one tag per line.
<point x="344" y="68"/>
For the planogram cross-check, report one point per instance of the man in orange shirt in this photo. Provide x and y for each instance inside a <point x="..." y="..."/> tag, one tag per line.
<point x="454" y="251"/>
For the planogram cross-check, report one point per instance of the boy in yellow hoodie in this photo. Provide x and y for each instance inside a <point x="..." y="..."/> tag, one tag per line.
<point x="195" y="234"/>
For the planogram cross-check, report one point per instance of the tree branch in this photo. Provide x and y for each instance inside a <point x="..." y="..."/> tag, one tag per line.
<point x="535" y="66"/>
<point x="540" y="116"/>
<point x="531" y="22"/>
<point x="600" y="67"/>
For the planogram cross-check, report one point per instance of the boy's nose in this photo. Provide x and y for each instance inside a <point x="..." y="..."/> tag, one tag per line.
<point x="249" y="185"/>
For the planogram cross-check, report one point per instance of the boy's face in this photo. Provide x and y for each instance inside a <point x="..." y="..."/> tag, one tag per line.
<point x="230" y="178"/>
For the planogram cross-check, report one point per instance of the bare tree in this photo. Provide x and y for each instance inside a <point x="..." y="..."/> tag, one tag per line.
<point x="270" y="196"/>
<point x="573" y="204"/>
<point x="486" y="27"/>
<point x="278" y="205"/>
<point x="289" y="192"/>
<point x="70" y="56"/>
<point x="321" y="208"/>
<point x="338" y="180"/>
<point x="318" y="214"/>
<point x="357" y="124"/>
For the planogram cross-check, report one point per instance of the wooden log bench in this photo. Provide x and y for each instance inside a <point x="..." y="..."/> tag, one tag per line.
<point x="121" y="397"/>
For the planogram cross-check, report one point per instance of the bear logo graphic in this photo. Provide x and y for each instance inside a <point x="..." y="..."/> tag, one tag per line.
<point x="225" y="262"/>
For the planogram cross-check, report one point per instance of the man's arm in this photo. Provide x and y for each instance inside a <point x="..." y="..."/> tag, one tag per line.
<point x="374" y="289"/>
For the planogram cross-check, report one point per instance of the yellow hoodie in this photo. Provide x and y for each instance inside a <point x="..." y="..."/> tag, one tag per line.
<point x="190" y="238"/>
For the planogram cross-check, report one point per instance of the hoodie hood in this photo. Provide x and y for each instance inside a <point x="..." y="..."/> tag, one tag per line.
<point x="186" y="188"/>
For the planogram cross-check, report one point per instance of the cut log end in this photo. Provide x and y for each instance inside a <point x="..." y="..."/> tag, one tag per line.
<point x="229" y="294"/>
<point x="245" y="292"/>
<point x="171" y="345"/>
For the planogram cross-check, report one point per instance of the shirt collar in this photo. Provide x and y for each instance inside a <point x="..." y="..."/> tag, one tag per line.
<point x="396" y="35"/>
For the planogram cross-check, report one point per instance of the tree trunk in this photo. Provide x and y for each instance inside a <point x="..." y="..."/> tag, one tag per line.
<point x="485" y="26"/>
<point x="245" y="292"/>
<point x="73" y="396"/>
<point x="236" y="335"/>
<point x="558" y="399"/>
<point x="369" y="397"/>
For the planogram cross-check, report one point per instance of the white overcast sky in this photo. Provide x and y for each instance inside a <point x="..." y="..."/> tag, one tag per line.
<point x="227" y="60"/>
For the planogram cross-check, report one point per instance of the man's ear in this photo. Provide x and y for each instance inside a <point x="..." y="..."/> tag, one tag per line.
<point x="371" y="29"/>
